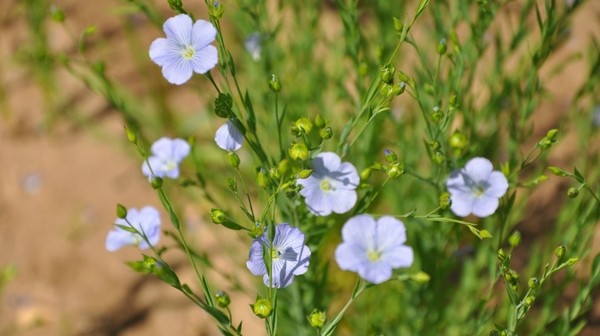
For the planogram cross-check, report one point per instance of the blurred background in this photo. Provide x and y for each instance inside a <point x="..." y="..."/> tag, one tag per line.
<point x="66" y="163"/>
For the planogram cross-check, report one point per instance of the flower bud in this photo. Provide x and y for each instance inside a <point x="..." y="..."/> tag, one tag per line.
<point x="572" y="261"/>
<point x="438" y="157"/>
<point x="130" y="135"/>
<point x="216" y="10"/>
<point x="398" y="25"/>
<point x="302" y="126"/>
<point x="326" y="133"/>
<point x="501" y="254"/>
<point x="515" y="239"/>
<point x="365" y="174"/>
<point x="234" y="159"/>
<point x="387" y="74"/>
<point x="262" y="308"/>
<point x="441" y="46"/>
<point x="304" y="173"/>
<point x="317" y="318"/>
<point x="390" y="156"/>
<point x="445" y="200"/>
<point x="217" y="216"/>
<point x="529" y="300"/>
<point x="572" y="192"/>
<point x="436" y="114"/>
<point x="156" y="182"/>
<point x="274" y="83"/>
<point x="558" y="172"/>
<point x="274" y="173"/>
<point x="57" y="14"/>
<point x="458" y="141"/>
<point x="257" y="230"/>
<point x="395" y="170"/>
<point x="485" y="234"/>
<point x="533" y="283"/>
<point x="420" y="277"/>
<point x="319" y="122"/>
<point x="560" y="251"/>
<point x="121" y="211"/>
<point x="262" y="180"/>
<point x="231" y="184"/>
<point x="284" y="166"/>
<point x="299" y="151"/>
<point x="223" y="299"/>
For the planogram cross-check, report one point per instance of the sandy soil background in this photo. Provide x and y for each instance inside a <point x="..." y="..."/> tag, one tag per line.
<point x="58" y="192"/>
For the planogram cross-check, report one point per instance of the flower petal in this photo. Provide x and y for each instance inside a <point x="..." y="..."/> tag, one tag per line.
<point x="205" y="59"/>
<point x="203" y="34"/>
<point x="164" y="51"/>
<point x="479" y="169"/>
<point x="117" y="239"/>
<point x="462" y="204"/>
<point x="178" y="72"/>
<point x="398" y="256"/>
<point x="351" y="257"/>
<point x="228" y="137"/>
<point x="390" y="232"/>
<point x="497" y="185"/>
<point x="360" y="230"/>
<point x="179" y="28"/>
<point x="255" y="262"/>
<point x="179" y="149"/>
<point x="348" y="176"/>
<point x="326" y="162"/>
<point x="376" y="273"/>
<point x="342" y="200"/>
<point x="485" y="206"/>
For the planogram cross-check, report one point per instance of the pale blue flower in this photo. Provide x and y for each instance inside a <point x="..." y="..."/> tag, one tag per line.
<point x="373" y="248"/>
<point x="166" y="156"/>
<point x="147" y="223"/>
<point x="476" y="188"/>
<point x="187" y="48"/>
<point x="290" y="256"/>
<point x="228" y="137"/>
<point x="331" y="186"/>
<point x="253" y="45"/>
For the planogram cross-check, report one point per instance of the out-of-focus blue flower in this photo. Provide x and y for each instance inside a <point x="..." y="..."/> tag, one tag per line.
<point x="373" y="248"/>
<point x="228" y="137"/>
<point x="253" y="45"/>
<point x="146" y="221"/>
<point x="476" y="188"/>
<point x="166" y="156"/>
<point x="187" y="48"/>
<point x="289" y="256"/>
<point x="331" y="186"/>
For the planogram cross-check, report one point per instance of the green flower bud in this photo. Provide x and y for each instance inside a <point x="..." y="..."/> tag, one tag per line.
<point x="494" y="333"/>
<point x="403" y="77"/>
<point x="560" y="251"/>
<point x="363" y="69"/>
<point x="319" y="122"/>
<point x="317" y="318"/>
<point x="130" y="135"/>
<point x="438" y="157"/>
<point x="156" y="182"/>
<point x="436" y="114"/>
<point x="284" y="166"/>
<point x="299" y="151"/>
<point x="533" y="283"/>
<point x="223" y="299"/>
<point x="234" y="159"/>
<point x="420" y="277"/>
<point x="441" y="46"/>
<point x="326" y="133"/>
<point x="485" y="234"/>
<point x="452" y="101"/>
<point x="395" y="170"/>
<point x="274" y="173"/>
<point x="445" y="200"/>
<point x="529" y="300"/>
<point x="121" y="211"/>
<point x="304" y="173"/>
<point x="274" y="83"/>
<point x="262" y="308"/>
<point x="302" y="126"/>
<point x="548" y="140"/>
<point x="399" y="88"/>
<point x="365" y="174"/>
<point x="175" y="4"/>
<point x="262" y="180"/>
<point x="572" y="261"/>
<point x="515" y="239"/>
<point x="501" y="255"/>
<point x="458" y="141"/>
<point x="435" y="145"/>
<point x="216" y="10"/>
<point x="57" y="14"/>
<point x="257" y="230"/>
<point x="572" y="192"/>
<point x="387" y="73"/>
<point x="390" y="156"/>
<point x="217" y="216"/>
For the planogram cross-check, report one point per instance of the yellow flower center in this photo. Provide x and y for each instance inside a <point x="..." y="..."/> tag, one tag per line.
<point x="188" y="53"/>
<point x="326" y="186"/>
<point x="373" y="255"/>
<point x="275" y="254"/>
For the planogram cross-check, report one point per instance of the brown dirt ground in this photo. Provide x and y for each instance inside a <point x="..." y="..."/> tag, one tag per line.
<point x="58" y="192"/>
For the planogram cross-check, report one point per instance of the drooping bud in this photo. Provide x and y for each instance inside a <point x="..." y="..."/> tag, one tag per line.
<point x="121" y="211"/>
<point x="560" y="251"/>
<point x="317" y="318"/>
<point x="262" y="307"/>
<point x="326" y="133"/>
<point x="573" y="192"/>
<point x="234" y="159"/>
<point x="156" y="182"/>
<point x="223" y="299"/>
